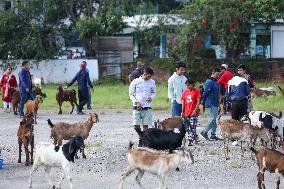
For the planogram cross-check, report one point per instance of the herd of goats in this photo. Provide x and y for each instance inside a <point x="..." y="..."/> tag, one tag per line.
<point x="258" y="127"/>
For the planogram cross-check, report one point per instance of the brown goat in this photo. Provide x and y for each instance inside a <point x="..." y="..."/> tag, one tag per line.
<point x="235" y="130"/>
<point x="33" y="105"/>
<point x="66" y="95"/>
<point x="37" y="91"/>
<point x="258" y="92"/>
<point x="26" y="137"/>
<point x="64" y="131"/>
<point x="281" y="90"/>
<point x="15" y="100"/>
<point x="270" y="160"/>
<point x="170" y="123"/>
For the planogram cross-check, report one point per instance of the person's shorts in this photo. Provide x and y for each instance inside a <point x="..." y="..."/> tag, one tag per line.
<point x="143" y="117"/>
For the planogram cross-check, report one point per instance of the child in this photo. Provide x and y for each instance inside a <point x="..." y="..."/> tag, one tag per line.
<point x="190" y="108"/>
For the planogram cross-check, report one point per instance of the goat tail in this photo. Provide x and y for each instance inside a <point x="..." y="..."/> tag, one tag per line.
<point x="50" y="123"/>
<point x="130" y="146"/>
<point x="253" y="150"/>
<point x="280" y="115"/>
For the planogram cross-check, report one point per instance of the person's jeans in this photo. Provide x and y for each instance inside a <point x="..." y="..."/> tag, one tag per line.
<point x="89" y="98"/>
<point x="23" y="97"/>
<point x="176" y="109"/>
<point x="211" y="123"/>
<point x="83" y="99"/>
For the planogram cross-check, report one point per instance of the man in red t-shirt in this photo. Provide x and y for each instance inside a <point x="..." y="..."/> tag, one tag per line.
<point x="190" y="109"/>
<point x="223" y="83"/>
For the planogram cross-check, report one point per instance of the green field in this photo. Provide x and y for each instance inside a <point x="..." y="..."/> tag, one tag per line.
<point x="115" y="96"/>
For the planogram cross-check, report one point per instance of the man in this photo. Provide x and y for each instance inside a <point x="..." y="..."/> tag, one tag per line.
<point x="77" y="54"/>
<point x="176" y="86"/>
<point x="211" y="100"/>
<point x="223" y="84"/>
<point x="190" y="109"/>
<point x="142" y="91"/>
<point x="25" y="83"/>
<point x="137" y="72"/>
<point x="242" y="72"/>
<point x="89" y="102"/>
<point x="239" y="91"/>
<point x="83" y="80"/>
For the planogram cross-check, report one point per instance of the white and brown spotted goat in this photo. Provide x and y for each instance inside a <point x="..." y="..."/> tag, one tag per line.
<point x="158" y="163"/>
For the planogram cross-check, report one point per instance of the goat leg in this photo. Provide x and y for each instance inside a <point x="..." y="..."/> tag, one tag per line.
<point x="72" y="104"/>
<point x="260" y="178"/>
<point x="20" y="151"/>
<point x="60" y="110"/>
<point x="83" y="153"/>
<point x="27" y="153"/>
<point x="34" y="168"/>
<point x="46" y="173"/>
<point x="128" y="172"/>
<point x="226" y="150"/>
<point x="242" y="149"/>
<point x="138" y="178"/>
<point x="278" y="182"/>
<point x="32" y="149"/>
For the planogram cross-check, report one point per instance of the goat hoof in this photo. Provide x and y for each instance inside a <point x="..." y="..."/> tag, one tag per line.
<point x="19" y="161"/>
<point x="177" y="169"/>
<point x="227" y="158"/>
<point x="27" y="164"/>
<point x="53" y="187"/>
<point x="84" y="157"/>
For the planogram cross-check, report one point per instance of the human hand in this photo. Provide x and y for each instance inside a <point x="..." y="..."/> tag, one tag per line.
<point x="182" y="115"/>
<point x="138" y="105"/>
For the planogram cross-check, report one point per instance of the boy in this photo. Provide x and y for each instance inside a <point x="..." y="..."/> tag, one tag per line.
<point x="190" y="108"/>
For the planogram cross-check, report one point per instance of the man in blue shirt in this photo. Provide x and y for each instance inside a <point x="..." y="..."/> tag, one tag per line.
<point x="211" y="100"/>
<point x="25" y="84"/>
<point x="83" y="80"/>
<point x="239" y="91"/>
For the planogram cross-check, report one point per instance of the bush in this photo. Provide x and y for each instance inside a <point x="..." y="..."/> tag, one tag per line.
<point x="205" y="53"/>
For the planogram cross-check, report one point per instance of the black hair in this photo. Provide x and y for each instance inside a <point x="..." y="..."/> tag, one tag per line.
<point x="25" y="62"/>
<point x="216" y="70"/>
<point x="84" y="62"/>
<point x="9" y="67"/>
<point x="242" y="66"/>
<point x="180" y="65"/>
<point x="190" y="81"/>
<point x="148" y="71"/>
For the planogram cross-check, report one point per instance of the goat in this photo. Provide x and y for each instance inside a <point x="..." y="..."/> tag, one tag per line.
<point x="271" y="89"/>
<point x="46" y="156"/>
<point x="162" y="140"/>
<point x="15" y="100"/>
<point x="270" y="160"/>
<point x="26" y="136"/>
<point x="33" y="105"/>
<point x="255" y="115"/>
<point x="37" y="91"/>
<point x="235" y="130"/>
<point x="281" y="90"/>
<point x="170" y="123"/>
<point x="66" y="95"/>
<point x="258" y="93"/>
<point x="158" y="163"/>
<point x="38" y="82"/>
<point x="64" y="131"/>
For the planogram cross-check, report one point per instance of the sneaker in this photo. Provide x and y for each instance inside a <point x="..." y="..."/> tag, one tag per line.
<point x="80" y="113"/>
<point x="89" y="108"/>
<point x="204" y="135"/>
<point x="214" y="137"/>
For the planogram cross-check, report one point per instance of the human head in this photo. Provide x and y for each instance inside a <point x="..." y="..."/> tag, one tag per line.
<point x="148" y="72"/>
<point x="140" y="65"/>
<point x="215" y="72"/>
<point x="8" y="70"/>
<point x="190" y="83"/>
<point x="25" y="64"/>
<point x="83" y="64"/>
<point x="224" y="67"/>
<point x="180" y="68"/>
<point x="242" y="69"/>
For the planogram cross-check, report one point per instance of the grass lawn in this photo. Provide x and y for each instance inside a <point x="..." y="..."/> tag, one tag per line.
<point x="115" y="96"/>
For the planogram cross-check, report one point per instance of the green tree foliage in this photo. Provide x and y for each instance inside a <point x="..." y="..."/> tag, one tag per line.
<point x="29" y="30"/>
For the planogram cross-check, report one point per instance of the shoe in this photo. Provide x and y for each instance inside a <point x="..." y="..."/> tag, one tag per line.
<point x="204" y="135"/>
<point x="89" y="108"/>
<point x="80" y="113"/>
<point x="214" y="137"/>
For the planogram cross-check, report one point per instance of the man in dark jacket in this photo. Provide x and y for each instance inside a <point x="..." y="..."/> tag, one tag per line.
<point x="83" y="80"/>
<point x="211" y="100"/>
<point x="239" y="91"/>
<point x="25" y="84"/>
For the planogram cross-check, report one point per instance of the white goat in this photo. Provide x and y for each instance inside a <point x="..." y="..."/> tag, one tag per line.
<point x="157" y="163"/>
<point x="37" y="81"/>
<point x="48" y="157"/>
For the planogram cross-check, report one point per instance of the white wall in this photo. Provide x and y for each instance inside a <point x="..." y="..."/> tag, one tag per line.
<point x="277" y="41"/>
<point x="58" y="71"/>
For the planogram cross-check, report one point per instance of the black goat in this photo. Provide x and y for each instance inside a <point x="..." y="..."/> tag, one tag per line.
<point x="162" y="140"/>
